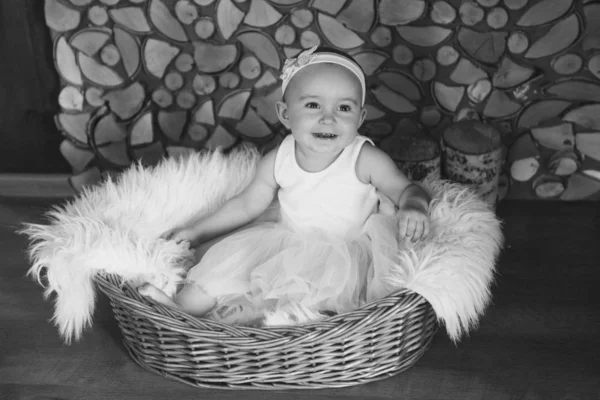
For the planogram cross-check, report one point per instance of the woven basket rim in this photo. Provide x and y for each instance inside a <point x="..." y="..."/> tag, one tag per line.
<point x="124" y="291"/>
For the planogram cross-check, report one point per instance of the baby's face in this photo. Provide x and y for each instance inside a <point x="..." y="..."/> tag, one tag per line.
<point x="323" y="108"/>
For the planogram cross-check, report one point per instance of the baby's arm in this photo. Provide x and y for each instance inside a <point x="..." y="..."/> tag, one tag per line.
<point x="375" y="167"/>
<point x="237" y="211"/>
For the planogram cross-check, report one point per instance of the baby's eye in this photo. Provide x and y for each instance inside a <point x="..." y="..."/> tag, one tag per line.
<point x="312" y="104"/>
<point x="345" y="108"/>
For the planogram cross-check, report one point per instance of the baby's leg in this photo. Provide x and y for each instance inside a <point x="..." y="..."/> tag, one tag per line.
<point x="194" y="300"/>
<point x="191" y="298"/>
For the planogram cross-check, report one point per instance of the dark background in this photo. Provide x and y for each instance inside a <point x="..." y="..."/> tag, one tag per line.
<point x="29" y="87"/>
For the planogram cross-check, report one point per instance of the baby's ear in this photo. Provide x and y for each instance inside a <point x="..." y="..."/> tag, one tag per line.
<point x="282" y="113"/>
<point x="363" y="115"/>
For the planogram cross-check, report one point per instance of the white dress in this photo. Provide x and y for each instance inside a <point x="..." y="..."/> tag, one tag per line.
<point x="329" y="250"/>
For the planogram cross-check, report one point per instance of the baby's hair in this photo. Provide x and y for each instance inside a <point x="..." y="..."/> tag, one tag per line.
<point x="339" y="53"/>
<point x="325" y="49"/>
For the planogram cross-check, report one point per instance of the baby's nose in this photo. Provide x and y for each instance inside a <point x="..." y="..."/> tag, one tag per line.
<point x="327" y="118"/>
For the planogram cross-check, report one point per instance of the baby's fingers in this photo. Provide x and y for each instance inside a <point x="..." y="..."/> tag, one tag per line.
<point x="185" y="242"/>
<point x="179" y="237"/>
<point x="407" y="228"/>
<point x="167" y="235"/>
<point x="426" y="229"/>
<point x="418" y="231"/>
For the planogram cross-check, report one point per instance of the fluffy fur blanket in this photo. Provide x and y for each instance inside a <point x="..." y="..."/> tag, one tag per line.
<point x="115" y="228"/>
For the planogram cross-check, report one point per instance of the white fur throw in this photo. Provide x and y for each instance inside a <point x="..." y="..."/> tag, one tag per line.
<point x="115" y="228"/>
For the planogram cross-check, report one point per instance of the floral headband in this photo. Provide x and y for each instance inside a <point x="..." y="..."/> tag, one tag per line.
<point x="293" y="65"/>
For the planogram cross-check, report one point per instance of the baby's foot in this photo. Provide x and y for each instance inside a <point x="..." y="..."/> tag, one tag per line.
<point x="154" y="293"/>
<point x="237" y="314"/>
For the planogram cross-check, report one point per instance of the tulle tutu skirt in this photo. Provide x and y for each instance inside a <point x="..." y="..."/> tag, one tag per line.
<point x="271" y="265"/>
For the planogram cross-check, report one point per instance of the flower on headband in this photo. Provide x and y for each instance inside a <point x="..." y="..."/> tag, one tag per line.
<point x="291" y="65"/>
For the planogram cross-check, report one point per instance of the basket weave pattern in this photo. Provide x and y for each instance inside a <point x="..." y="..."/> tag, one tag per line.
<point x="374" y="342"/>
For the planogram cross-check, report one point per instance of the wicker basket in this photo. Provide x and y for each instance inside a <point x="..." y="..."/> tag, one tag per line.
<point x="377" y="341"/>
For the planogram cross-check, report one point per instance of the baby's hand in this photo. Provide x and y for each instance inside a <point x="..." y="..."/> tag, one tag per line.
<point x="413" y="224"/>
<point x="179" y="235"/>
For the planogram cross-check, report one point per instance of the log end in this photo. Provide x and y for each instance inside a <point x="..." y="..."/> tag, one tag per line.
<point x="472" y="137"/>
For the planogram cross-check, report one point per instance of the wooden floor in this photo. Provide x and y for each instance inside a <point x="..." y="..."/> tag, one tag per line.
<point x="540" y="340"/>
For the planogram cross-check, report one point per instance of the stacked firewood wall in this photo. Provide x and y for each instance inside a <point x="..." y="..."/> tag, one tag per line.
<point x="144" y="79"/>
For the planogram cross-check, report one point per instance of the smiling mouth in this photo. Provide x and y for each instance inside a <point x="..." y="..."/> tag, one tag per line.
<point x="323" y="135"/>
